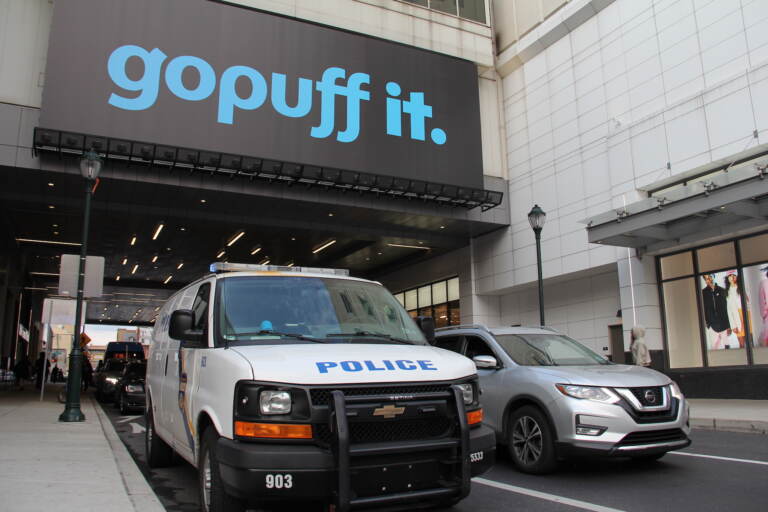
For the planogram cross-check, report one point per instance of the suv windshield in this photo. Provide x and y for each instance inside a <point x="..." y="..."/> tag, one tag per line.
<point x="294" y="309"/>
<point x="547" y="350"/>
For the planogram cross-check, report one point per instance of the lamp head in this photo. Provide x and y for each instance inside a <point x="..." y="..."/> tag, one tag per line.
<point x="537" y="217"/>
<point x="90" y="165"/>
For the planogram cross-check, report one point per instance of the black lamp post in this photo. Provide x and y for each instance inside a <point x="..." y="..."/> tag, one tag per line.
<point x="90" y="166"/>
<point x="537" y="217"/>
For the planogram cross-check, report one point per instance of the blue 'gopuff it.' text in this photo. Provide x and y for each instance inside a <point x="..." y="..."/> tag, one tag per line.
<point x="331" y="85"/>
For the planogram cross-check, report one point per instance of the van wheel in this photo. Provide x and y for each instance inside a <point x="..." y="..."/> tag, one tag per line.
<point x="531" y="442"/>
<point x="159" y="454"/>
<point x="213" y="496"/>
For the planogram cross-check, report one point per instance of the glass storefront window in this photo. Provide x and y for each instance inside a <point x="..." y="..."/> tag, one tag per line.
<point x="425" y="311"/>
<point x="723" y="318"/>
<point x="400" y="298"/>
<point x="677" y="265"/>
<point x="754" y="249"/>
<point x="439" y="300"/>
<point x="410" y="300"/>
<point x="425" y="296"/>
<point x="440" y="292"/>
<point x="756" y="287"/>
<point x="423" y="3"/>
<point x="448" y="6"/>
<point x="717" y="257"/>
<point x="454" y="315"/>
<point x="682" y="320"/>
<point x="472" y="9"/>
<point x="441" y="315"/>
<point x="453" y="289"/>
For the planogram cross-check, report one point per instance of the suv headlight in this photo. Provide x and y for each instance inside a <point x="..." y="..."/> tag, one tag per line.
<point x="275" y="402"/>
<point x="595" y="394"/>
<point x="675" y="390"/>
<point x="111" y="380"/>
<point x="134" y="388"/>
<point x="468" y="392"/>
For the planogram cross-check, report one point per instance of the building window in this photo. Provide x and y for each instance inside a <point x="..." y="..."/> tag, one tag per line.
<point x="440" y="300"/>
<point x="470" y="9"/>
<point x="715" y="302"/>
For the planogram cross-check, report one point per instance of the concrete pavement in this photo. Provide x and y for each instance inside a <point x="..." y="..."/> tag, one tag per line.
<point x="730" y="415"/>
<point x="49" y="465"/>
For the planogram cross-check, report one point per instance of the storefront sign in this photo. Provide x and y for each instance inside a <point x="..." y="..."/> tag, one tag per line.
<point x="208" y="76"/>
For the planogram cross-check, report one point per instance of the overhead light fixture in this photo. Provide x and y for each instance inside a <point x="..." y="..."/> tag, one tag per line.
<point x="50" y="184"/>
<point x="43" y="274"/>
<point x="255" y="250"/>
<point x="330" y="214"/>
<point x="324" y="246"/>
<point x="154" y="258"/>
<point x="51" y="207"/>
<point x="158" y="229"/>
<point x="55" y="225"/>
<point x="117" y="277"/>
<point x="167" y="279"/>
<point x="202" y="200"/>
<point x="55" y="232"/>
<point x="289" y="264"/>
<point x="52" y="242"/>
<point x="235" y="238"/>
<point x="133" y="240"/>
<point x="265" y="261"/>
<point x="157" y="308"/>
<point x="135" y="268"/>
<point x="404" y="246"/>
<point x="178" y="267"/>
<point x="221" y="253"/>
<point x="125" y="261"/>
<point x="182" y="228"/>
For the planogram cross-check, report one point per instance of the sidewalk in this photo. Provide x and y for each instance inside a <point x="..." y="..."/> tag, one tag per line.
<point x="730" y="415"/>
<point x="48" y="465"/>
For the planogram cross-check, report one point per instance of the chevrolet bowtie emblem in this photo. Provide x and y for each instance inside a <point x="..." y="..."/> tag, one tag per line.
<point x="388" y="411"/>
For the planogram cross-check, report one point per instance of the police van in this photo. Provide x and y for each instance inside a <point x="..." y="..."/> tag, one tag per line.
<point x="304" y="384"/>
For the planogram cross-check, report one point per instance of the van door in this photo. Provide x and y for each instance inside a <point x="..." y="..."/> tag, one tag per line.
<point x="157" y="368"/>
<point x="181" y="376"/>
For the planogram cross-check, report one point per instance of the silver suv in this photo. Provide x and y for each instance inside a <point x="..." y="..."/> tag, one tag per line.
<point x="549" y="397"/>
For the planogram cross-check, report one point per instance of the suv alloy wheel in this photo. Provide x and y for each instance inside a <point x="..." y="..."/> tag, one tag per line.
<point x="531" y="442"/>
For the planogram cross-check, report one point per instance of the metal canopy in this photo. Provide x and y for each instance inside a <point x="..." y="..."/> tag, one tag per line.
<point x="720" y="201"/>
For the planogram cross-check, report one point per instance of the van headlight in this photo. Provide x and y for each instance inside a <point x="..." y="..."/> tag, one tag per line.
<point x="275" y="402"/>
<point x="593" y="393"/>
<point x="674" y="389"/>
<point x="468" y="393"/>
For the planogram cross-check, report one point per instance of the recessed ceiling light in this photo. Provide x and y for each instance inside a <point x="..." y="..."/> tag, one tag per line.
<point x="133" y="240"/>
<point x="117" y="277"/>
<point x="135" y="268"/>
<point x="182" y="228"/>
<point x="324" y="246"/>
<point x="167" y="279"/>
<point x="442" y="227"/>
<point x="55" y="232"/>
<point x="289" y="264"/>
<point x="404" y="246"/>
<point x="235" y="238"/>
<point x="51" y="206"/>
<point x="293" y="239"/>
<point x="378" y="253"/>
<point x="202" y="201"/>
<point x="158" y="229"/>
<point x="255" y="250"/>
<point x="157" y="308"/>
<point x="125" y="261"/>
<point x="154" y="258"/>
<point x="330" y="214"/>
<point x="50" y="183"/>
<point x="55" y="225"/>
<point x="178" y="267"/>
<point x="221" y="253"/>
<point x="265" y="261"/>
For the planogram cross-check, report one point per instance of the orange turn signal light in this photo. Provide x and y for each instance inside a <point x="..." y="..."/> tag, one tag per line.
<point x="273" y="430"/>
<point x="474" y="417"/>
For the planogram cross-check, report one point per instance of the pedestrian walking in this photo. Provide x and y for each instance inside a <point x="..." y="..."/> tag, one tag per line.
<point x="41" y="370"/>
<point x="21" y="371"/>
<point x="87" y="373"/>
<point x="640" y="354"/>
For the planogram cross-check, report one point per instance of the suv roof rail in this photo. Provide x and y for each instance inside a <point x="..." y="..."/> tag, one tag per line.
<point x="463" y="326"/>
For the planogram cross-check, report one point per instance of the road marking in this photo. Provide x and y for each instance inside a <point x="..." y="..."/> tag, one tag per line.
<point x="127" y="419"/>
<point x="729" y="459"/>
<point x="545" y="496"/>
<point x="137" y="429"/>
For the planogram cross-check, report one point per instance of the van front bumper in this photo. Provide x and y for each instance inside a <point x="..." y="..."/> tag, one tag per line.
<point x="308" y="472"/>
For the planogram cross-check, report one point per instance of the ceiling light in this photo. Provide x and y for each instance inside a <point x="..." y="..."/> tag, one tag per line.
<point x="235" y="239"/>
<point x="404" y="246"/>
<point x="330" y="215"/>
<point x="125" y="261"/>
<point x="324" y="246"/>
<point x="221" y="253"/>
<point x="55" y="225"/>
<point x="158" y="229"/>
<point x="117" y="277"/>
<point x="255" y="250"/>
<point x="52" y="242"/>
<point x="289" y="264"/>
<point x="133" y="240"/>
<point x="442" y="227"/>
<point x="43" y="274"/>
<point x="202" y="200"/>
<point x="293" y="239"/>
<point x="154" y="258"/>
<point x="50" y="206"/>
<point x="182" y="228"/>
<point x="130" y="321"/>
<point x="167" y="279"/>
<point x="105" y="309"/>
<point x="117" y="305"/>
<point x="55" y="232"/>
<point x="50" y="184"/>
<point x="265" y="261"/>
<point x="178" y="267"/>
<point x="135" y="268"/>
<point x="157" y="308"/>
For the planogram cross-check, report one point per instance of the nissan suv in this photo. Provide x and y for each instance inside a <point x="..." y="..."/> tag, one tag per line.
<point x="548" y="398"/>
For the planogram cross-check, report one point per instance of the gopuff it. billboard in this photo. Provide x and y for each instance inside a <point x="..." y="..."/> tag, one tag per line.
<point x="211" y="76"/>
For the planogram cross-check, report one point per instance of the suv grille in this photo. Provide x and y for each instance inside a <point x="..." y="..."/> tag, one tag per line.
<point x="322" y="396"/>
<point x="652" y="436"/>
<point x="655" y="392"/>
<point x="387" y="431"/>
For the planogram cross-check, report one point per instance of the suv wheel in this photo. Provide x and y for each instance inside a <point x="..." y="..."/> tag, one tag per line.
<point x="531" y="442"/>
<point x="213" y="496"/>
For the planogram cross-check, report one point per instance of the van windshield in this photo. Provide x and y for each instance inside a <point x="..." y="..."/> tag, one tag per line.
<point x="292" y="309"/>
<point x="547" y="350"/>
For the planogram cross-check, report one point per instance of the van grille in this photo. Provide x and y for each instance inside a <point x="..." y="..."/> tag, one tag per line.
<point x="388" y="431"/>
<point x="322" y="396"/>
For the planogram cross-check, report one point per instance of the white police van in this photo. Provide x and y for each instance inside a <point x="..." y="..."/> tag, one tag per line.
<point x="305" y="384"/>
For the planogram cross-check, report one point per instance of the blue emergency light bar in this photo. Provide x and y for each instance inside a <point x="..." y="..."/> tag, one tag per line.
<point x="220" y="266"/>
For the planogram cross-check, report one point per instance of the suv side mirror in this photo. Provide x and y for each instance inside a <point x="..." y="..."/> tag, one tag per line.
<point x="427" y="326"/>
<point x="180" y="328"/>
<point x="488" y="362"/>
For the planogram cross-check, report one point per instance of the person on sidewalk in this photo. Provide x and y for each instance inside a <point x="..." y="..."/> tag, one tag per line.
<point x="87" y="373"/>
<point x="21" y="371"/>
<point x="640" y="354"/>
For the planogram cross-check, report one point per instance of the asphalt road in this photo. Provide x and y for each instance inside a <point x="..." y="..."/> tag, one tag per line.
<point x="720" y="471"/>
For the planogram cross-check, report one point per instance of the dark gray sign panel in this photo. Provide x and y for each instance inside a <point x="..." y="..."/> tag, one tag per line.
<point x="211" y="76"/>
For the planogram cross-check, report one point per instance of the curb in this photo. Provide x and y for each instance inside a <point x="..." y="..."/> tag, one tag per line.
<point x="741" y="426"/>
<point x="141" y="495"/>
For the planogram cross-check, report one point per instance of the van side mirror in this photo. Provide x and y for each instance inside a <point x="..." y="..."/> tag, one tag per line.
<point x="427" y="326"/>
<point x="180" y="328"/>
<point x="487" y="362"/>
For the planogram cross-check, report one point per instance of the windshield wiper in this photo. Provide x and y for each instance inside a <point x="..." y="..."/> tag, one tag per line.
<point x="368" y="334"/>
<point x="278" y="333"/>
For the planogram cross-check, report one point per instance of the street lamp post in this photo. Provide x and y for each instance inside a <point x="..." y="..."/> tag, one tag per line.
<point x="90" y="166"/>
<point x="537" y="217"/>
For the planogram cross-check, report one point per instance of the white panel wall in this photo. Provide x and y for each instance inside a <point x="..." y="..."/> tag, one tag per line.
<point x="24" y="29"/>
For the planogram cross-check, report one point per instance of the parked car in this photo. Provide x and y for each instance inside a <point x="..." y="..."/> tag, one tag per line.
<point x="105" y="380"/>
<point x="548" y="397"/>
<point x="129" y="391"/>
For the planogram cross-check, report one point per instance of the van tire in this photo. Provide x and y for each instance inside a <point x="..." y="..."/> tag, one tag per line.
<point x="213" y="496"/>
<point x="159" y="453"/>
<point x="531" y="442"/>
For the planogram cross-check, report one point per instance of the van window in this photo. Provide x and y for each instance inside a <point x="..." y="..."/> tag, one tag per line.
<point x="249" y="308"/>
<point x="200" y="307"/>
